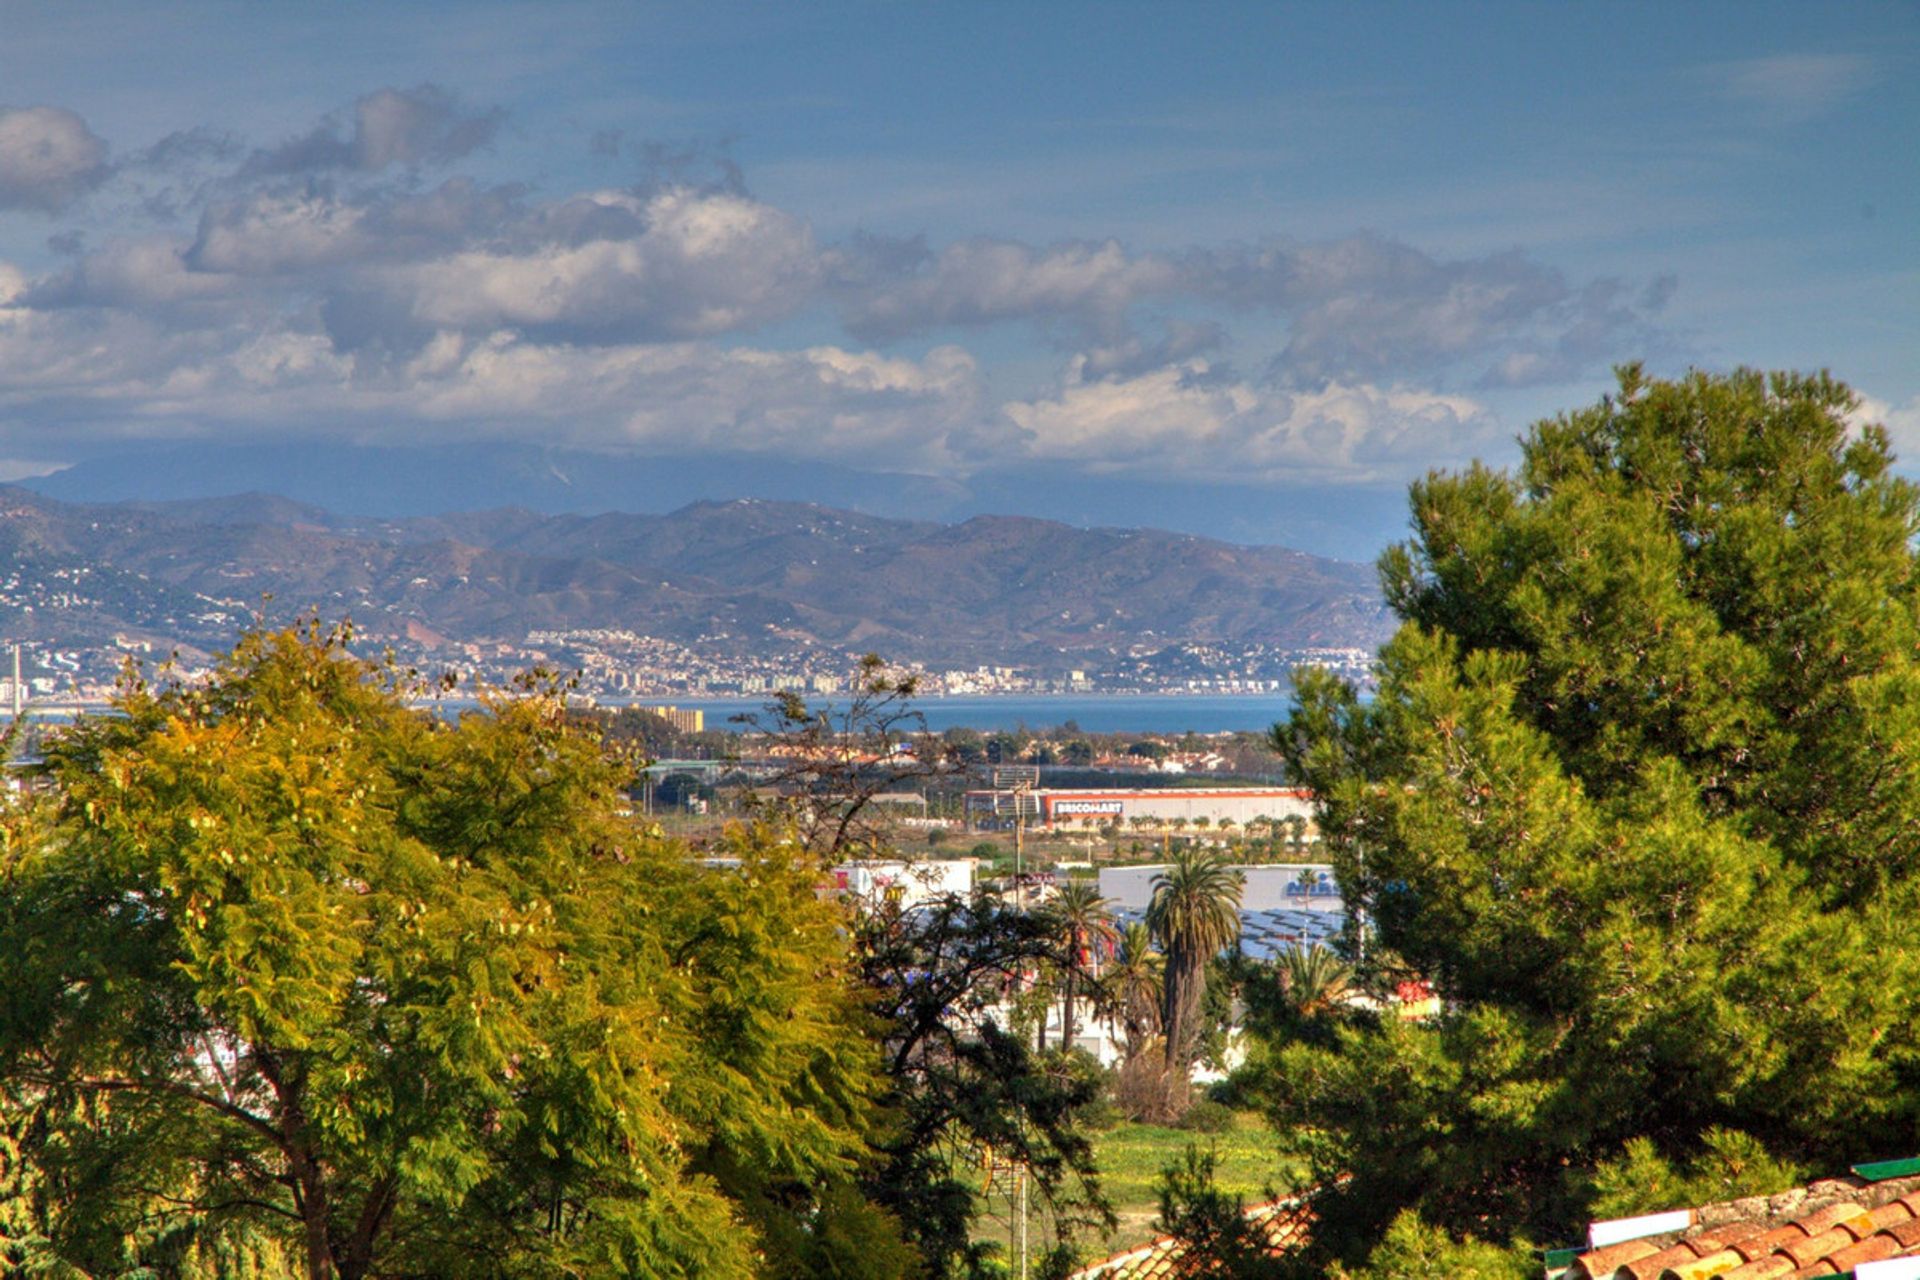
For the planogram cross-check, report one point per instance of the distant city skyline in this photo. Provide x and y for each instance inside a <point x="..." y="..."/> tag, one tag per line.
<point x="1174" y="265"/>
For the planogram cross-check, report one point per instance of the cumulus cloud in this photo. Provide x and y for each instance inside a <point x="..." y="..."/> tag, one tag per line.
<point x="13" y="283"/>
<point x="133" y="273"/>
<point x="325" y="285"/>
<point x="107" y="370"/>
<point x="1902" y="422"/>
<point x="415" y="127"/>
<point x="1192" y="419"/>
<point x="819" y="402"/>
<point x="287" y="228"/>
<point x="682" y="264"/>
<point x="895" y="292"/>
<point x="48" y="158"/>
<point x="1360" y="307"/>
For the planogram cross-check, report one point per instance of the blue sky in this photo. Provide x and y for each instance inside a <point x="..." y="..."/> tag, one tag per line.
<point x="1289" y="250"/>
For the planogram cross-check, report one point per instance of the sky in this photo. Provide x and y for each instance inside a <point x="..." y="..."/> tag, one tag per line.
<point x="1179" y="262"/>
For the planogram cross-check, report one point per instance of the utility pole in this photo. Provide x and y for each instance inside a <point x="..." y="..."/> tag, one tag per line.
<point x="1019" y="782"/>
<point x="1024" y="1252"/>
<point x="1019" y="850"/>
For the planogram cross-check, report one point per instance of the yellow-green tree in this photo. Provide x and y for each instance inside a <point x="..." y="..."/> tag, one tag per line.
<point x="400" y="992"/>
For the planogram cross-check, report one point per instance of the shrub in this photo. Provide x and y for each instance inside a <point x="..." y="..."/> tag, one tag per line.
<point x="1207" y="1116"/>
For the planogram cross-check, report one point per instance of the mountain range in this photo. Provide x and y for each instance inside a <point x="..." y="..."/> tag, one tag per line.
<point x="749" y="574"/>
<point x="363" y="480"/>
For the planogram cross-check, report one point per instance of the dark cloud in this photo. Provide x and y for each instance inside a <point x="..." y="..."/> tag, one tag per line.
<point x="411" y="128"/>
<point x="49" y="158"/>
<point x="188" y="148"/>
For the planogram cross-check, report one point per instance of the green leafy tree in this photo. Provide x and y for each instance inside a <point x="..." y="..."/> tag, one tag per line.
<point x="1304" y="987"/>
<point x="287" y="959"/>
<point x="1640" y="794"/>
<point x="962" y="1089"/>
<point x="1412" y="1249"/>
<point x="838" y="759"/>
<point x="1195" y="915"/>
<point x="1218" y="1241"/>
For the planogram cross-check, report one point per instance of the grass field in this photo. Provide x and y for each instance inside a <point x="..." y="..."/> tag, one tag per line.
<point x="1130" y="1158"/>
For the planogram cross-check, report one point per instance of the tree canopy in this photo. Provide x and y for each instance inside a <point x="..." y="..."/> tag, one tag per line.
<point x="1640" y="793"/>
<point x="288" y="962"/>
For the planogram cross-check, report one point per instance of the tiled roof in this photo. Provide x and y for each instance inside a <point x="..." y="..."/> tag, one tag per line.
<point x="1284" y="1221"/>
<point x="1825" y="1229"/>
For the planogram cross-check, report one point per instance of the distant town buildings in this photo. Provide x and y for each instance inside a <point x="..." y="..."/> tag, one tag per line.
<point x="1247" y="807"/>
<point x="617" y="665"/>
<point x="686" y="720"/>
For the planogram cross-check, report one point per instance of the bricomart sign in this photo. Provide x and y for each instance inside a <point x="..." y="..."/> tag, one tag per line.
<point x="1067" y="808"/>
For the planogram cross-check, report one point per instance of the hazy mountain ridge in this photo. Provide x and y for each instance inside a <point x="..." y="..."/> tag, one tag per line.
<point x="361" y="481"/>
<point x="993" y="588"/>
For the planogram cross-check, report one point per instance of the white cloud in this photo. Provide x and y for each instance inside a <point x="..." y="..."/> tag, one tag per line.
<point x="700" y="263"/>
<point x="976" y="282"/>
<point x="822" y="402"/>
<point x="320" y="292"/>
<point x="12" y="469"/>
<point x="1187" y="420"/>
<point x="1795" y="86"/>
<point x="48" y="158"/>
<point x="274" y="230"/>
<point x="1361" y="307"/>
<point x="87" y="372"/>
<point x="132" y="274"/>
<point x="1902" y="422"/>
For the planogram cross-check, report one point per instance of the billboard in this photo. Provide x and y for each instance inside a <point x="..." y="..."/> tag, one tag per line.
<point x="1074" y="808"/>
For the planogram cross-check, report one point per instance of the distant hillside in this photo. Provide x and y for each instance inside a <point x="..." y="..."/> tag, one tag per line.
<point x="364" y="481"/>
<point x="752" y="573"/>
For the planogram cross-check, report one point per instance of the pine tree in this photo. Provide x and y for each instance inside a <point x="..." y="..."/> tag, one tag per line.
<point x="1640" y="794"/>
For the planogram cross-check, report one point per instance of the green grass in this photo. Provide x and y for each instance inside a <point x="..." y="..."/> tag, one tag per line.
<point x="1131" y="1157"/>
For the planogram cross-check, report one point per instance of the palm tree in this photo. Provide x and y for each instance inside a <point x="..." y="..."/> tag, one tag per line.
<point x="1194" y="915"/>
<point x="1316" y="981"/>
<point x="1135" y="985"/>
<point x="1085" y="921"/>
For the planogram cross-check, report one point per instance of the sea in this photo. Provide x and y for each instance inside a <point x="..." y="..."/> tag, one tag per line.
<point x="1170" y="713"/>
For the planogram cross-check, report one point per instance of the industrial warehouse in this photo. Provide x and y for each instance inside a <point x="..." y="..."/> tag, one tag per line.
<point x="1169" y="807"/>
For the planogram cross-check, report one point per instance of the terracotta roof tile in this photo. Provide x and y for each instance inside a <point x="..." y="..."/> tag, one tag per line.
<point x="1825" y="1228"/>
<point x="1285" y="1221"/>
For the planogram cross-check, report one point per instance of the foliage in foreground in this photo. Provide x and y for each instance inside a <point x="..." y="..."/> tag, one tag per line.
<point x="960" y="1089"/>
<point x="291" y="967"/>
<point x="1640" y="794"/>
